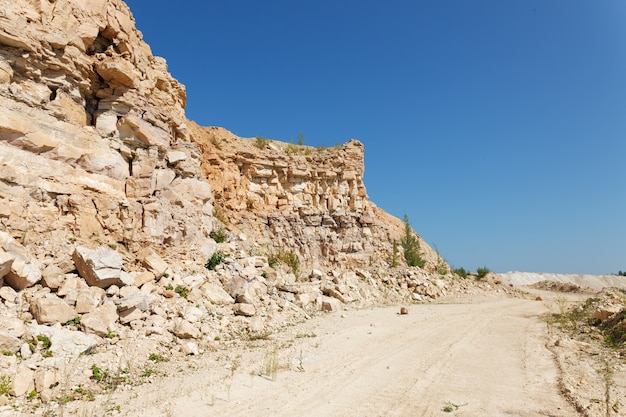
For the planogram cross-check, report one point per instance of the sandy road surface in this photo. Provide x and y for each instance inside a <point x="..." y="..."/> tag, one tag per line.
<point x="486" y="356"/>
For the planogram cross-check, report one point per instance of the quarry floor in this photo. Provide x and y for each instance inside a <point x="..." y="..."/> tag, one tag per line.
<point x="484" y="356"/>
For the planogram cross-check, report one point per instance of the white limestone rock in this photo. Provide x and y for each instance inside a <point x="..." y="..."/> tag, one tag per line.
<point x="100" y="267"/>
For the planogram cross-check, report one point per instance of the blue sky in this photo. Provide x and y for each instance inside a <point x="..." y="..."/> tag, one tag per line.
<point x="497" y="126"/>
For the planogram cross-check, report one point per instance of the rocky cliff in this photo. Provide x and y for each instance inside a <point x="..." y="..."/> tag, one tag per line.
<point x="95" y="144"/>
<point x="93" y="133"/>
<point x="296" y="197"/>
<point x="112" y="202"/>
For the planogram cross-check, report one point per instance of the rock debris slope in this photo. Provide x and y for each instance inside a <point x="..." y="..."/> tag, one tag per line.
<point x="112" y="202"/>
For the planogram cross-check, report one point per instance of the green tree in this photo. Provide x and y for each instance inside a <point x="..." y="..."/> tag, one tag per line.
<point x="393" y="257"/>
<point x="411" y="245"/>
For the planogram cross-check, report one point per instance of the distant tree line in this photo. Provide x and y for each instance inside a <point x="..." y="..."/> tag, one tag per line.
<point x="622" y="273"/>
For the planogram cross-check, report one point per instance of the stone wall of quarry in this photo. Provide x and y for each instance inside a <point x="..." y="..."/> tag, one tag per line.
<point x="296" y="197"/>
<point x="95" y="145"/>
<point x="93" y="137"/>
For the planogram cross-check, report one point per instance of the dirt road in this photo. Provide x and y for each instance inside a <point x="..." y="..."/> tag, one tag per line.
<point x="486" y="357"/>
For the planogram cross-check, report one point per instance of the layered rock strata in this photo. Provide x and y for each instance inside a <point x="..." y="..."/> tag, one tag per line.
<point x="93" y="137"/>
<point x="294" y="197"/>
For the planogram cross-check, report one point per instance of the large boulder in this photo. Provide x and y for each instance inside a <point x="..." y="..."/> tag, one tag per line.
<point x="100" y="267"/>
<point x="133" y="307"/>
<point x="9" y="343"/>
<point x="185" y="330"/>
<point x="51" y="310"/>
<point x="6" y="260"/>
<point x="24" y="270"/>
<point x="216" y="294"/>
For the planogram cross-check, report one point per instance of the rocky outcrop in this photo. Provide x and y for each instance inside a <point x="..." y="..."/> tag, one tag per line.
<point x="294" y="197"/>
<point x="93" y="136"/>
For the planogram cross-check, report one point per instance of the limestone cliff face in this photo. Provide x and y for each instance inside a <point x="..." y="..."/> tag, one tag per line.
<point x="94" y="144"/>
<point x="291" y="197"/>
<point x="93" y="136"/>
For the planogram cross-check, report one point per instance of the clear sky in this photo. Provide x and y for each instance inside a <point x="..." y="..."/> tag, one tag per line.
<point x="497" y="126"/>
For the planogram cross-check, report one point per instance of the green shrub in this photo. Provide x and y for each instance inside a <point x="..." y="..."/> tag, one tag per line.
<point x="411" y="245"/>
<point x="74" y="322"/>
<point x="442" y="266"/>
<point x="289" y="258"/>
<point x="219" y="235"/>
<point x="216" y="142"/>
<point x="219" y="214"/>
<point x="261" y="143"/>
<point x="461" y="272"/>
<point x="98" y="374"/>
<point x="155" y="357"/>
<point x="482" y="272"/>
<point x="45" y="341"/>
<point x="5" y="385"/>
<point x="394" y="258"/>
<point x="182" y="291"/>
<point x="292" y="149"/>
<point x="215" y="259"/>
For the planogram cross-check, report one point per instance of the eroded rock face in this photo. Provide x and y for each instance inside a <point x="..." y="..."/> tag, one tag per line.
<point x="88" y="118"/>
<point x="291" y="197"/>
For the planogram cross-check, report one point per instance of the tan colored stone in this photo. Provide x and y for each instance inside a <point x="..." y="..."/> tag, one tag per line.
<point x="8" y="294"/>
<point x="45" y="379"/>
<point x="244" y="309"/>
<point x="101" y="320"/>
<point x="52" y="276"/>
<point x="66" y="343"/>
<point x="152" y="261"/>
<point x="23" y="383"/>
<point x="330" y="304"/>
<point x="68" y="109"/>
<point x="145" y="132"/>
<point x="189" y="348"/>
<point x="6" y="72"/>
<point x="216" y="294"/>
<point x="9" y="343"/>
<point x="605" y="312"/>
<point x="86" y="301"/>
<point x="100" y="267"/>
<point x="25" y="270"/>
<point x="117" y="71"/>
<point x="131" y="314"/>
<point x="185" y="330"/>
<point x="143" y="278"/>
<point x="51" y="310"/>
<point x="6" y="260"/>
<point x="71" y="285"/>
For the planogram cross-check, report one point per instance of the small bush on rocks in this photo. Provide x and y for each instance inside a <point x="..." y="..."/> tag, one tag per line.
<point x="219" y="235"/>
<point x="215" y="259"/>
<point x="461" y="272"/>
<point x="482" y="272"/>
